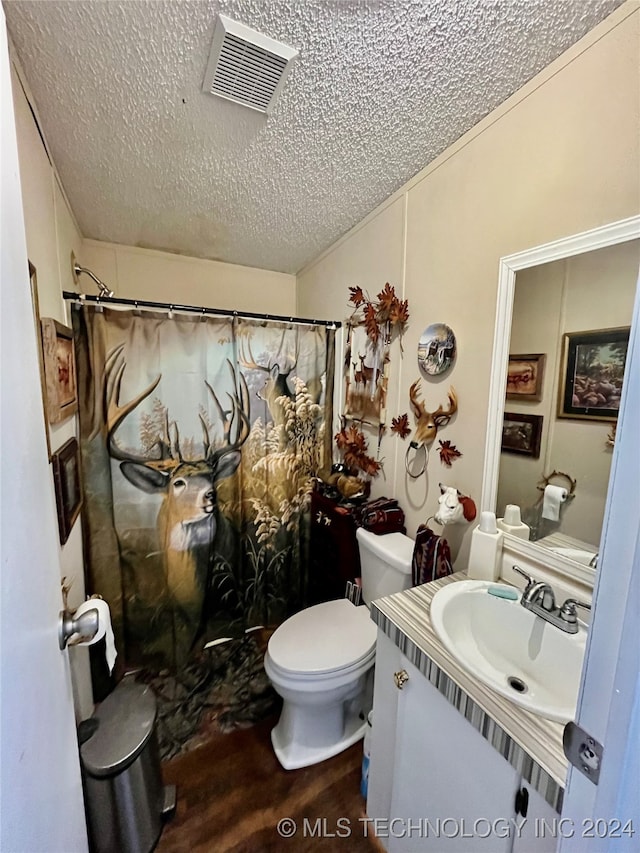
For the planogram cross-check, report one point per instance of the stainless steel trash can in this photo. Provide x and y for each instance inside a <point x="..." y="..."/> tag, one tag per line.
<point x="125" y="798"/>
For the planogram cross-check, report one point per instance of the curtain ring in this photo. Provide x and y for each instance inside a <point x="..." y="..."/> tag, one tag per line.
<point x="413" y="445"/>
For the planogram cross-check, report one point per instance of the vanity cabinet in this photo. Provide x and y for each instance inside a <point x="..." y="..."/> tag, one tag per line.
<point x="435" y="784"/>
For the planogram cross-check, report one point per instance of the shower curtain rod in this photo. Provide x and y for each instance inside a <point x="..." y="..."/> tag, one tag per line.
<point x="143" y="303"/>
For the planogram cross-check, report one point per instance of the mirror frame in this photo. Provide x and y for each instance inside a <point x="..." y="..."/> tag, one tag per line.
<point x="587" y="241"/>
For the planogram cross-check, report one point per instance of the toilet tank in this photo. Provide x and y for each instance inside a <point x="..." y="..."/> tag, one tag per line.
<point x="385" y="562"/>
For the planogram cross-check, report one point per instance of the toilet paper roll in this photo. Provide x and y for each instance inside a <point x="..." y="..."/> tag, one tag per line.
<point x="104" y="629"/>
<point x="553" y="497"/>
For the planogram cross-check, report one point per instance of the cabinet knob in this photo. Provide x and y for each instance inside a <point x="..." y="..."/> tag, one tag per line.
<point x="401" y="678"/>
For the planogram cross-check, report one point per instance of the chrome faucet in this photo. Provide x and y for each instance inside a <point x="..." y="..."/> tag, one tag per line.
<point x="538" y="597"/>
<point x="593" y="562"/>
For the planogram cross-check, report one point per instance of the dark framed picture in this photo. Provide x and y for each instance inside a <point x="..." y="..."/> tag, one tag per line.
<point x="59" y="369"/>
<point x="522" y="434"/>
<point x="591" y="372"/>
<point x="525" y="374"/>
<point x="66" y="476"/>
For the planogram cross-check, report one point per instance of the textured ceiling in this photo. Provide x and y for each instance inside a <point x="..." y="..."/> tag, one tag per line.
<point x="379" y="90"/>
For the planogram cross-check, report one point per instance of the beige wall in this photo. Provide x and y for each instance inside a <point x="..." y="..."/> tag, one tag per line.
<point x="584" y="293"/>
<point x="164" y="277"/>
<point x="559" y="157"/>
<point x="52" y="235"/>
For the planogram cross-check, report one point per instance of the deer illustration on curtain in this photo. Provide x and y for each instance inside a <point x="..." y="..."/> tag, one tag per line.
<point x="200" y="439"/>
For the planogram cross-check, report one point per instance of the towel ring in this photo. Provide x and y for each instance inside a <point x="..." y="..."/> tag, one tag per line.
<point x="413" y="445"/>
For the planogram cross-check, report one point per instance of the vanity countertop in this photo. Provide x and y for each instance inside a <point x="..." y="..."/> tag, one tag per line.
<point x="404" y="617"/>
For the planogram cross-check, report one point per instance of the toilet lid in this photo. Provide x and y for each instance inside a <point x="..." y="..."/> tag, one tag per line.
<point x="324" y="638"/>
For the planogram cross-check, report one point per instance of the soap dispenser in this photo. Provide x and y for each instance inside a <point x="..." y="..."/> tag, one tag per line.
<point x="485" y="556"/>
<point x="512" y="523"/>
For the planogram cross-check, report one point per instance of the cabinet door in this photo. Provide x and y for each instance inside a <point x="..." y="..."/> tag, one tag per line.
<point x="540" y="827"/>
<point x="383" y="733"/>
<point x="452" y="792"/>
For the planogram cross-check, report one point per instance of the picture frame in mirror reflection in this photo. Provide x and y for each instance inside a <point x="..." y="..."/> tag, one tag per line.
<point x="525" y="375"/>
<point x="591" y="373"/>
<point x="522" y="433"/>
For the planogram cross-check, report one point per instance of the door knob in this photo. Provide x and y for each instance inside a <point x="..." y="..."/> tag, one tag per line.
<point x="401" y="677"/>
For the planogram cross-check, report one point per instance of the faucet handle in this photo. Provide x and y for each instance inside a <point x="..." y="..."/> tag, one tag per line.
<point x="524" y="574"/>
<point x="568" y="610"/>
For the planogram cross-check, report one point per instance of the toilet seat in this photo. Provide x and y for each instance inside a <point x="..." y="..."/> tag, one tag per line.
<point x="331" y="638"/>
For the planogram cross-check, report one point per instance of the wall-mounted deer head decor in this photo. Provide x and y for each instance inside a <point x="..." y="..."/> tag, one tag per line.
<point x="427" y="424"/>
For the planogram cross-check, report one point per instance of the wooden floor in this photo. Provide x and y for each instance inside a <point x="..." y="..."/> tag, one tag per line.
<point x="232" y="792"/>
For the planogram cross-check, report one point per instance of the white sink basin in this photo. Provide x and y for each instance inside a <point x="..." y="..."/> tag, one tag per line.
<point x="511" y="650"/>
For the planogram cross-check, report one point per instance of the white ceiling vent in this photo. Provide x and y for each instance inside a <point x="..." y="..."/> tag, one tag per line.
<point x="245" y="66"/>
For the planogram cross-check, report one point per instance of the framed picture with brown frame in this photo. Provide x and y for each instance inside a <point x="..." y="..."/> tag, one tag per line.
<point x="66" y="477"/>
<point x="591" y="372"/>
<point x="35" y="305"/>
<point x="522" y="433"/>
<point x="525" y="374"/>
<point x="59" y="370"/>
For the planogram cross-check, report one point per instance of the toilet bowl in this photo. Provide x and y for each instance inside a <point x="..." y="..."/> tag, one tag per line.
<point x="320" y="661"/>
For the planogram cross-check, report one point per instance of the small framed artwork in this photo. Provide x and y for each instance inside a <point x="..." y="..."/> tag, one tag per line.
<point x="66" y="477"/>
<point x="59" y="370"/>
<point x="522" y="434"/>
<point x="591" y="372"/>
<point x="366" y="374"/>
<point x="525" y="374"/>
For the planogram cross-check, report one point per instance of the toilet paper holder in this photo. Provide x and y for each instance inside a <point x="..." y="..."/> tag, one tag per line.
<point x="546" y="481"/>
<point x="85" y="625"/>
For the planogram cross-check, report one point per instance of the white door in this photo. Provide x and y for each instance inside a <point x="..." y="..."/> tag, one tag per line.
<point x="41" y="793"/>
<point x="607" y="816"/>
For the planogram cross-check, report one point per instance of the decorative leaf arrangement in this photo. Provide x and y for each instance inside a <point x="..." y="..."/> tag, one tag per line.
<point x="448" y="453"/>
<point x="383" y="317"/>
<point x="400" y="425"/>
<point x="352" y="443"/>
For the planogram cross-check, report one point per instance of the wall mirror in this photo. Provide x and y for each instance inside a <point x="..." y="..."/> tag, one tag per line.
<point x="546" y="295"/>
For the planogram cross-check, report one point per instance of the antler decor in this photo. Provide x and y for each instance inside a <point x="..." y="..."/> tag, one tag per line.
<point x="546" y="479"/>
<point x="428" y="423"/>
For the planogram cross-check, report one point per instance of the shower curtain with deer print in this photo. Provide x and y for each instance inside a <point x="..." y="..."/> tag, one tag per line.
<point x="200" y="438"/>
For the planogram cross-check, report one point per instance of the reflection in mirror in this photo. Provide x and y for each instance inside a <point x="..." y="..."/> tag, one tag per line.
<point x="590" y="292"/>
<point x="582" y="283"/>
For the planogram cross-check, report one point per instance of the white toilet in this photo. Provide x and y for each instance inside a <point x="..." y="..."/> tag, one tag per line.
<point x="320" y="661"/>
